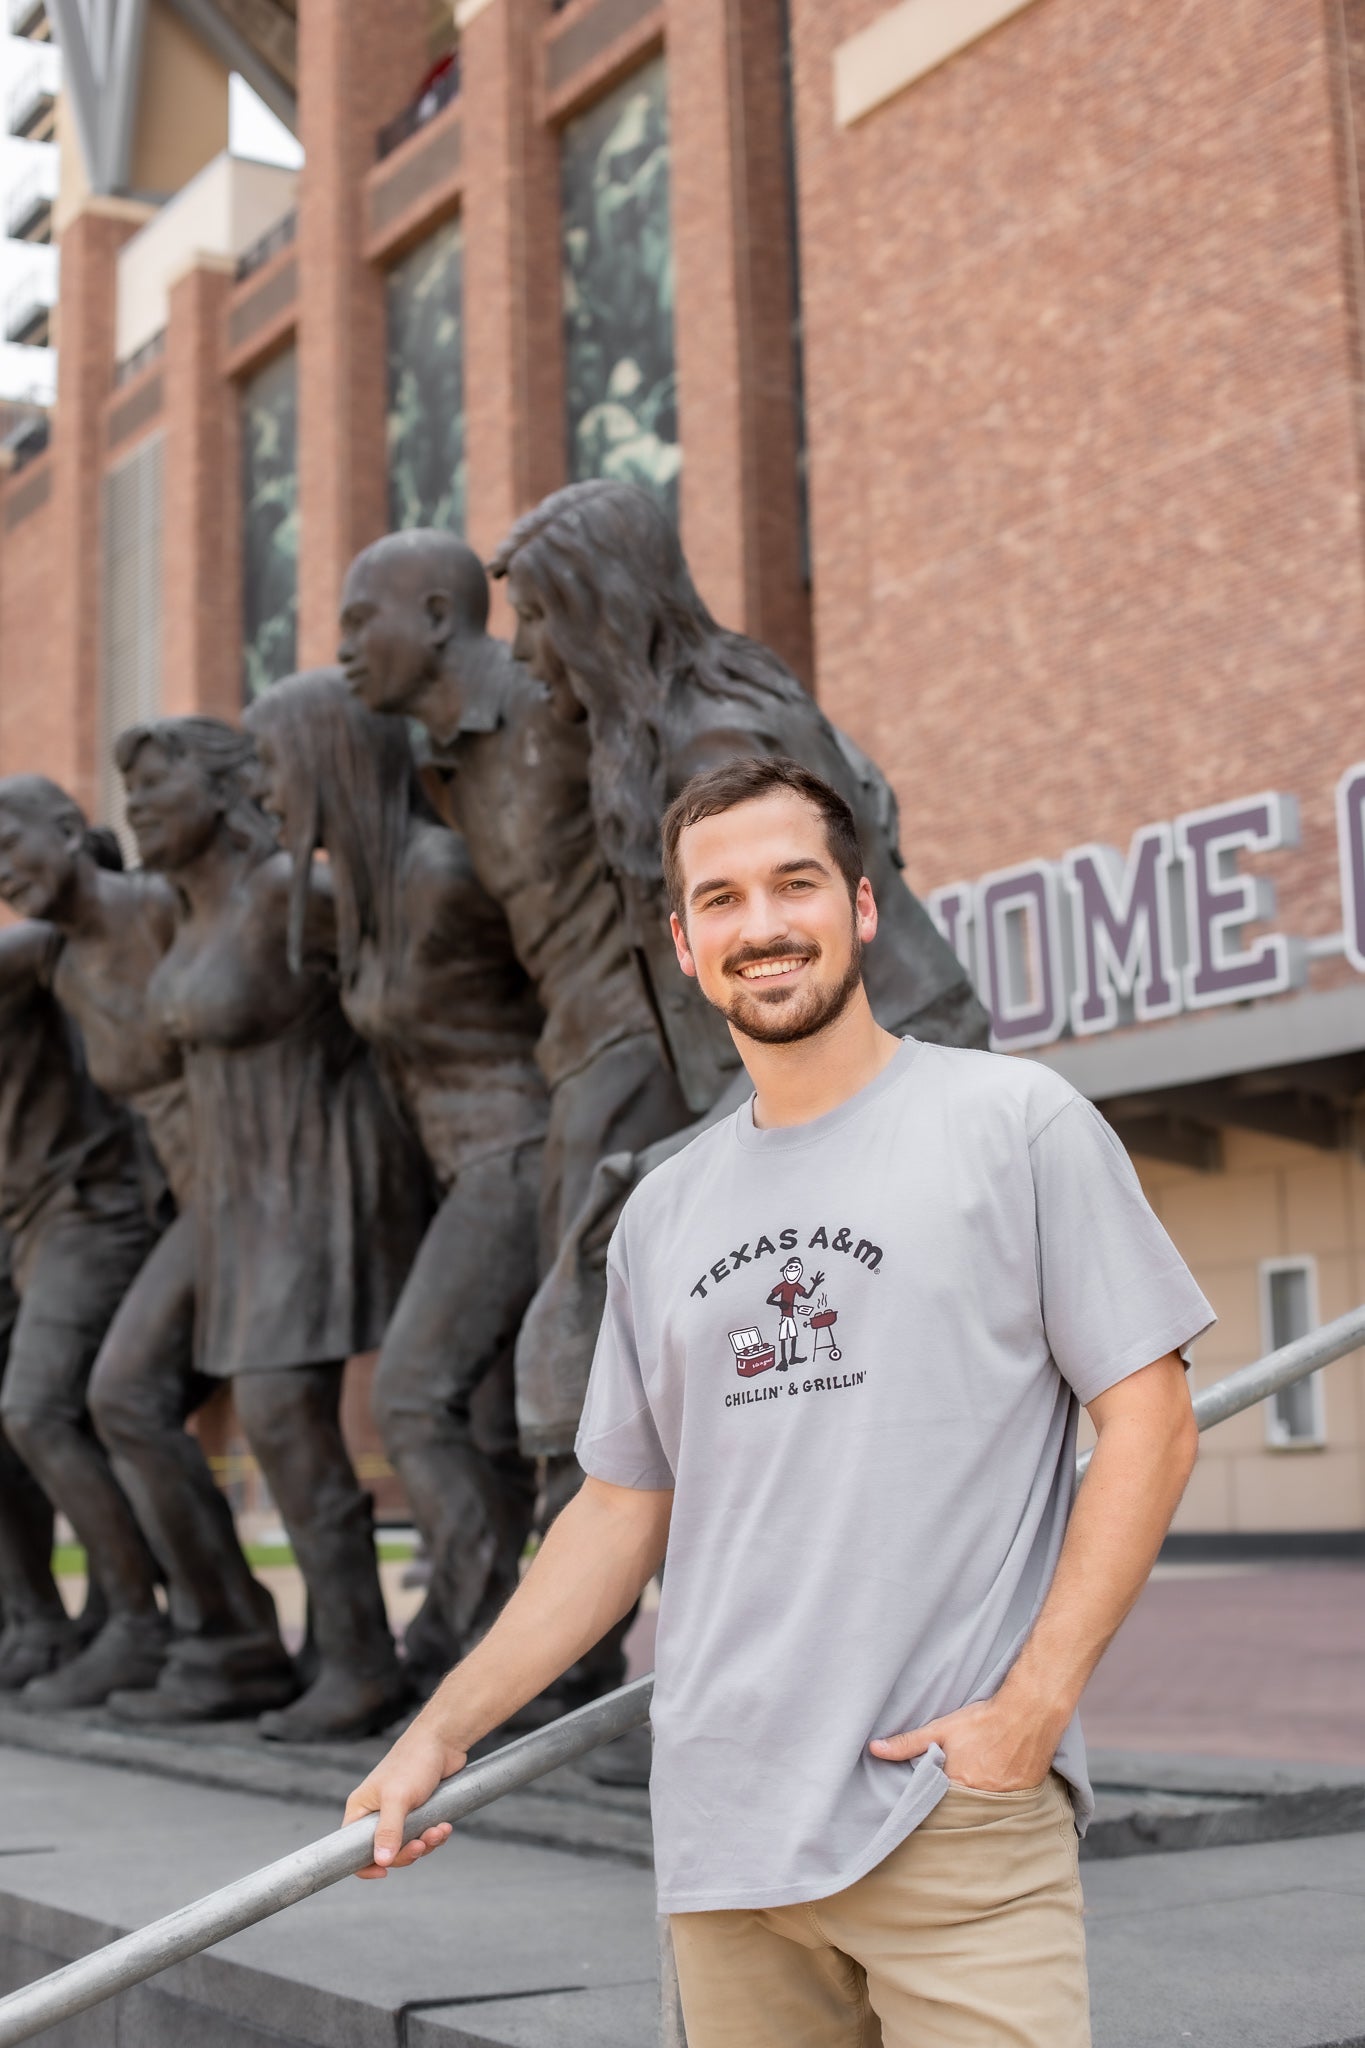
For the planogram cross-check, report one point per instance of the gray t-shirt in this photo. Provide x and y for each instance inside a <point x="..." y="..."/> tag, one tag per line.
<point x="948" y="1263"/>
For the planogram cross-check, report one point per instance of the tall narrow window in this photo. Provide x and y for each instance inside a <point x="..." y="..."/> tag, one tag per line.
<point x="132" y="609"/>
<point x="621" y="372"/>
<point x="426" y="383"/>
<point x="1289" y="1309"/>
<point x="270" y="525"/>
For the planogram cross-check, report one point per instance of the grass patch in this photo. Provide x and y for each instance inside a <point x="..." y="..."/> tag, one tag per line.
<point x="68" y="1559"/>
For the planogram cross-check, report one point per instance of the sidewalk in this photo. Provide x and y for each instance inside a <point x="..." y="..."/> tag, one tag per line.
<point x="1262" y="1661"/>
<point x="1227" y="1661"/>
<point x="497" y="1945"/>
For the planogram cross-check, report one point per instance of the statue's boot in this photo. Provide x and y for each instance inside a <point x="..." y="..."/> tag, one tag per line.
<point x="30" y="1649"/>
<point x="36" y="1635"/>
<point x="126" y="1655"/>
<point x="214" y="1679"/>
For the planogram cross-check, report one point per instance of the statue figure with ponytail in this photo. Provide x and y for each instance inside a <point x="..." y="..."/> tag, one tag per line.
<point x="309" y="1195"/>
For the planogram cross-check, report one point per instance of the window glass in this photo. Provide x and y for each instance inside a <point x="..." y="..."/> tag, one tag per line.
<point x="426" y="383"/>
<point x="1295" y="1412"/>
<point x="270" y="522"/>
<point x="132" y="610"/>
<point x="620" y="370"/>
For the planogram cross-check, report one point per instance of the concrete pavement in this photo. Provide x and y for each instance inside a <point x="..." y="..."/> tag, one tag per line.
<point x="498" y="1945"/>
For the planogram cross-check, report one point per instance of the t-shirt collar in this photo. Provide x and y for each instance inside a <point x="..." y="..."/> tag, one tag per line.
<point x="787" y="1136"/>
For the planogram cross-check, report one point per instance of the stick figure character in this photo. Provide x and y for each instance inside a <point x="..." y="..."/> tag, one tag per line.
<point x="783" y="1297"/>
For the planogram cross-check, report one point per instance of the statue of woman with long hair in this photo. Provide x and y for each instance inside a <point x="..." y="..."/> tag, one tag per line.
<point x="226" y="1656"/>
<point x="429" y="979"/>
<point x="309" y="1199"/>
<point x="606" y="604"/>
<point x="608" y="615"/>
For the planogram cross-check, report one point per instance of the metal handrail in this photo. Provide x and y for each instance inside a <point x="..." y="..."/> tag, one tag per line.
<point x="1251" y="1384"/>
<point x="135" y="1957"/>
<point x="138" y="1956"/>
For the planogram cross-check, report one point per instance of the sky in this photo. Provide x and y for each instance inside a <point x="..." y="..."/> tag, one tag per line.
<point x="253" y="131"/>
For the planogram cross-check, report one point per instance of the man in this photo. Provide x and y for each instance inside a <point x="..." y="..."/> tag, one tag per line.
<point x="784" y="1298"/>
<point x="877" y="1619"/>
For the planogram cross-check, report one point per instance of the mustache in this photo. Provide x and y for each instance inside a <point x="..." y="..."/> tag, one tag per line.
<point x="781" y="949"/>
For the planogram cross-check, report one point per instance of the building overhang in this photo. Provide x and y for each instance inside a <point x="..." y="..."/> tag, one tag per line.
<point x="1290" y="1067"/>
<point x="101" y="47"/>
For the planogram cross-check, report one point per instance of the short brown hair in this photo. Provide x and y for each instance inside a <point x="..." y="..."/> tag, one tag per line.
<point x="717" y="790"/>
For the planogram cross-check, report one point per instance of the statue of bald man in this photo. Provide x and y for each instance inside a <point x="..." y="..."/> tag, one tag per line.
<point x="513" y="762"/>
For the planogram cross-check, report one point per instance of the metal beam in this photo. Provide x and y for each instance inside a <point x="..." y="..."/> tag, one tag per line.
<point x="101" y="47"/>
<point x="119" y="104"/>
<point x="213" y="28"/>
<point x="80" y="84"/>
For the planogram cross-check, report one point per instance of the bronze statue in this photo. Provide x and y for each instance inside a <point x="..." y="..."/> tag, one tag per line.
<point x="73" y="1201"/>
<point x="514" y="763"/>
<point x="512" y="758"/>
<point x="608" y="612"/>
<point x="35" y="1634"/>
<point x="429" y="979"/>
<point x="226" y="1655"/>
<point x="309" y="1199"/>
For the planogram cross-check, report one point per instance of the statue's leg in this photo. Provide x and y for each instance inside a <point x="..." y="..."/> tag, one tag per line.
<point x="444" y="1400"/>
<point x="35" y="1635"/>
<point x="622" y="1101"/>
<point x="73" y="1274"/>
<point x="292" y="1420"/>
<point x="227" y="1656"/>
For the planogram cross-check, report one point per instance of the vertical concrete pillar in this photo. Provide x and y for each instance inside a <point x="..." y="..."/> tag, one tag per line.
<point x="201" y="568"/>
<point x="736" y="369"/>
<point x="359" y="64"/>
<point x="514" y="394"/>
<point x="90" y="240"/>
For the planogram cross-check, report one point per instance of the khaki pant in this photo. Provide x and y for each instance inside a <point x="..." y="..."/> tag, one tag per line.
<point x="968" y="1935"/>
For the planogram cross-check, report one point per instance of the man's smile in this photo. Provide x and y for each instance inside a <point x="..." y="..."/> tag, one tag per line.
<point x="768" y="970"/>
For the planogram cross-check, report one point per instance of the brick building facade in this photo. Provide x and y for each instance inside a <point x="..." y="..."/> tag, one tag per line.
<point x="1002" y="358"/>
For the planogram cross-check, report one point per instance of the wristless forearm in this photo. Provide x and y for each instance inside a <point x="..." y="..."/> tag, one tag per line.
<point x="588" y="1573"/>
<point x="1116" y="1529"/>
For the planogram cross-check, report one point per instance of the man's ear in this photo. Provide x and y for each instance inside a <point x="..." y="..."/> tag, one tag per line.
<point x="681" y="947"/>
<point x="865" y="911"/>
<point x="440" y="617"/>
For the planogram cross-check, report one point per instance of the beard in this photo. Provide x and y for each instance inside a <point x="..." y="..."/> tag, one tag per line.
<point x="779" y="1021"/>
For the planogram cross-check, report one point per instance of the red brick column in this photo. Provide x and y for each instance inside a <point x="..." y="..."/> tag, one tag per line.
<point x="514" y="391"/>
<point x="359" y="64"/>
<point x="85" y="364"/>
<point x="736" y="382"/>
<point x="201" y="569"/>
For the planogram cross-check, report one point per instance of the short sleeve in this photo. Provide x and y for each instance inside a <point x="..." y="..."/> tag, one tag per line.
<point x="1116" y="1293"/>
<point x="617" y="1438"/>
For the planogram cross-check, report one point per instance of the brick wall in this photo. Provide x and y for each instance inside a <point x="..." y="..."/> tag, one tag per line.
<point x="1083" y="425"/>
<point x="35" y="726"/>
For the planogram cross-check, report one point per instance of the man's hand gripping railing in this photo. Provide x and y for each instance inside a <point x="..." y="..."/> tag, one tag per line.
<point x="84" y="1983"/>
